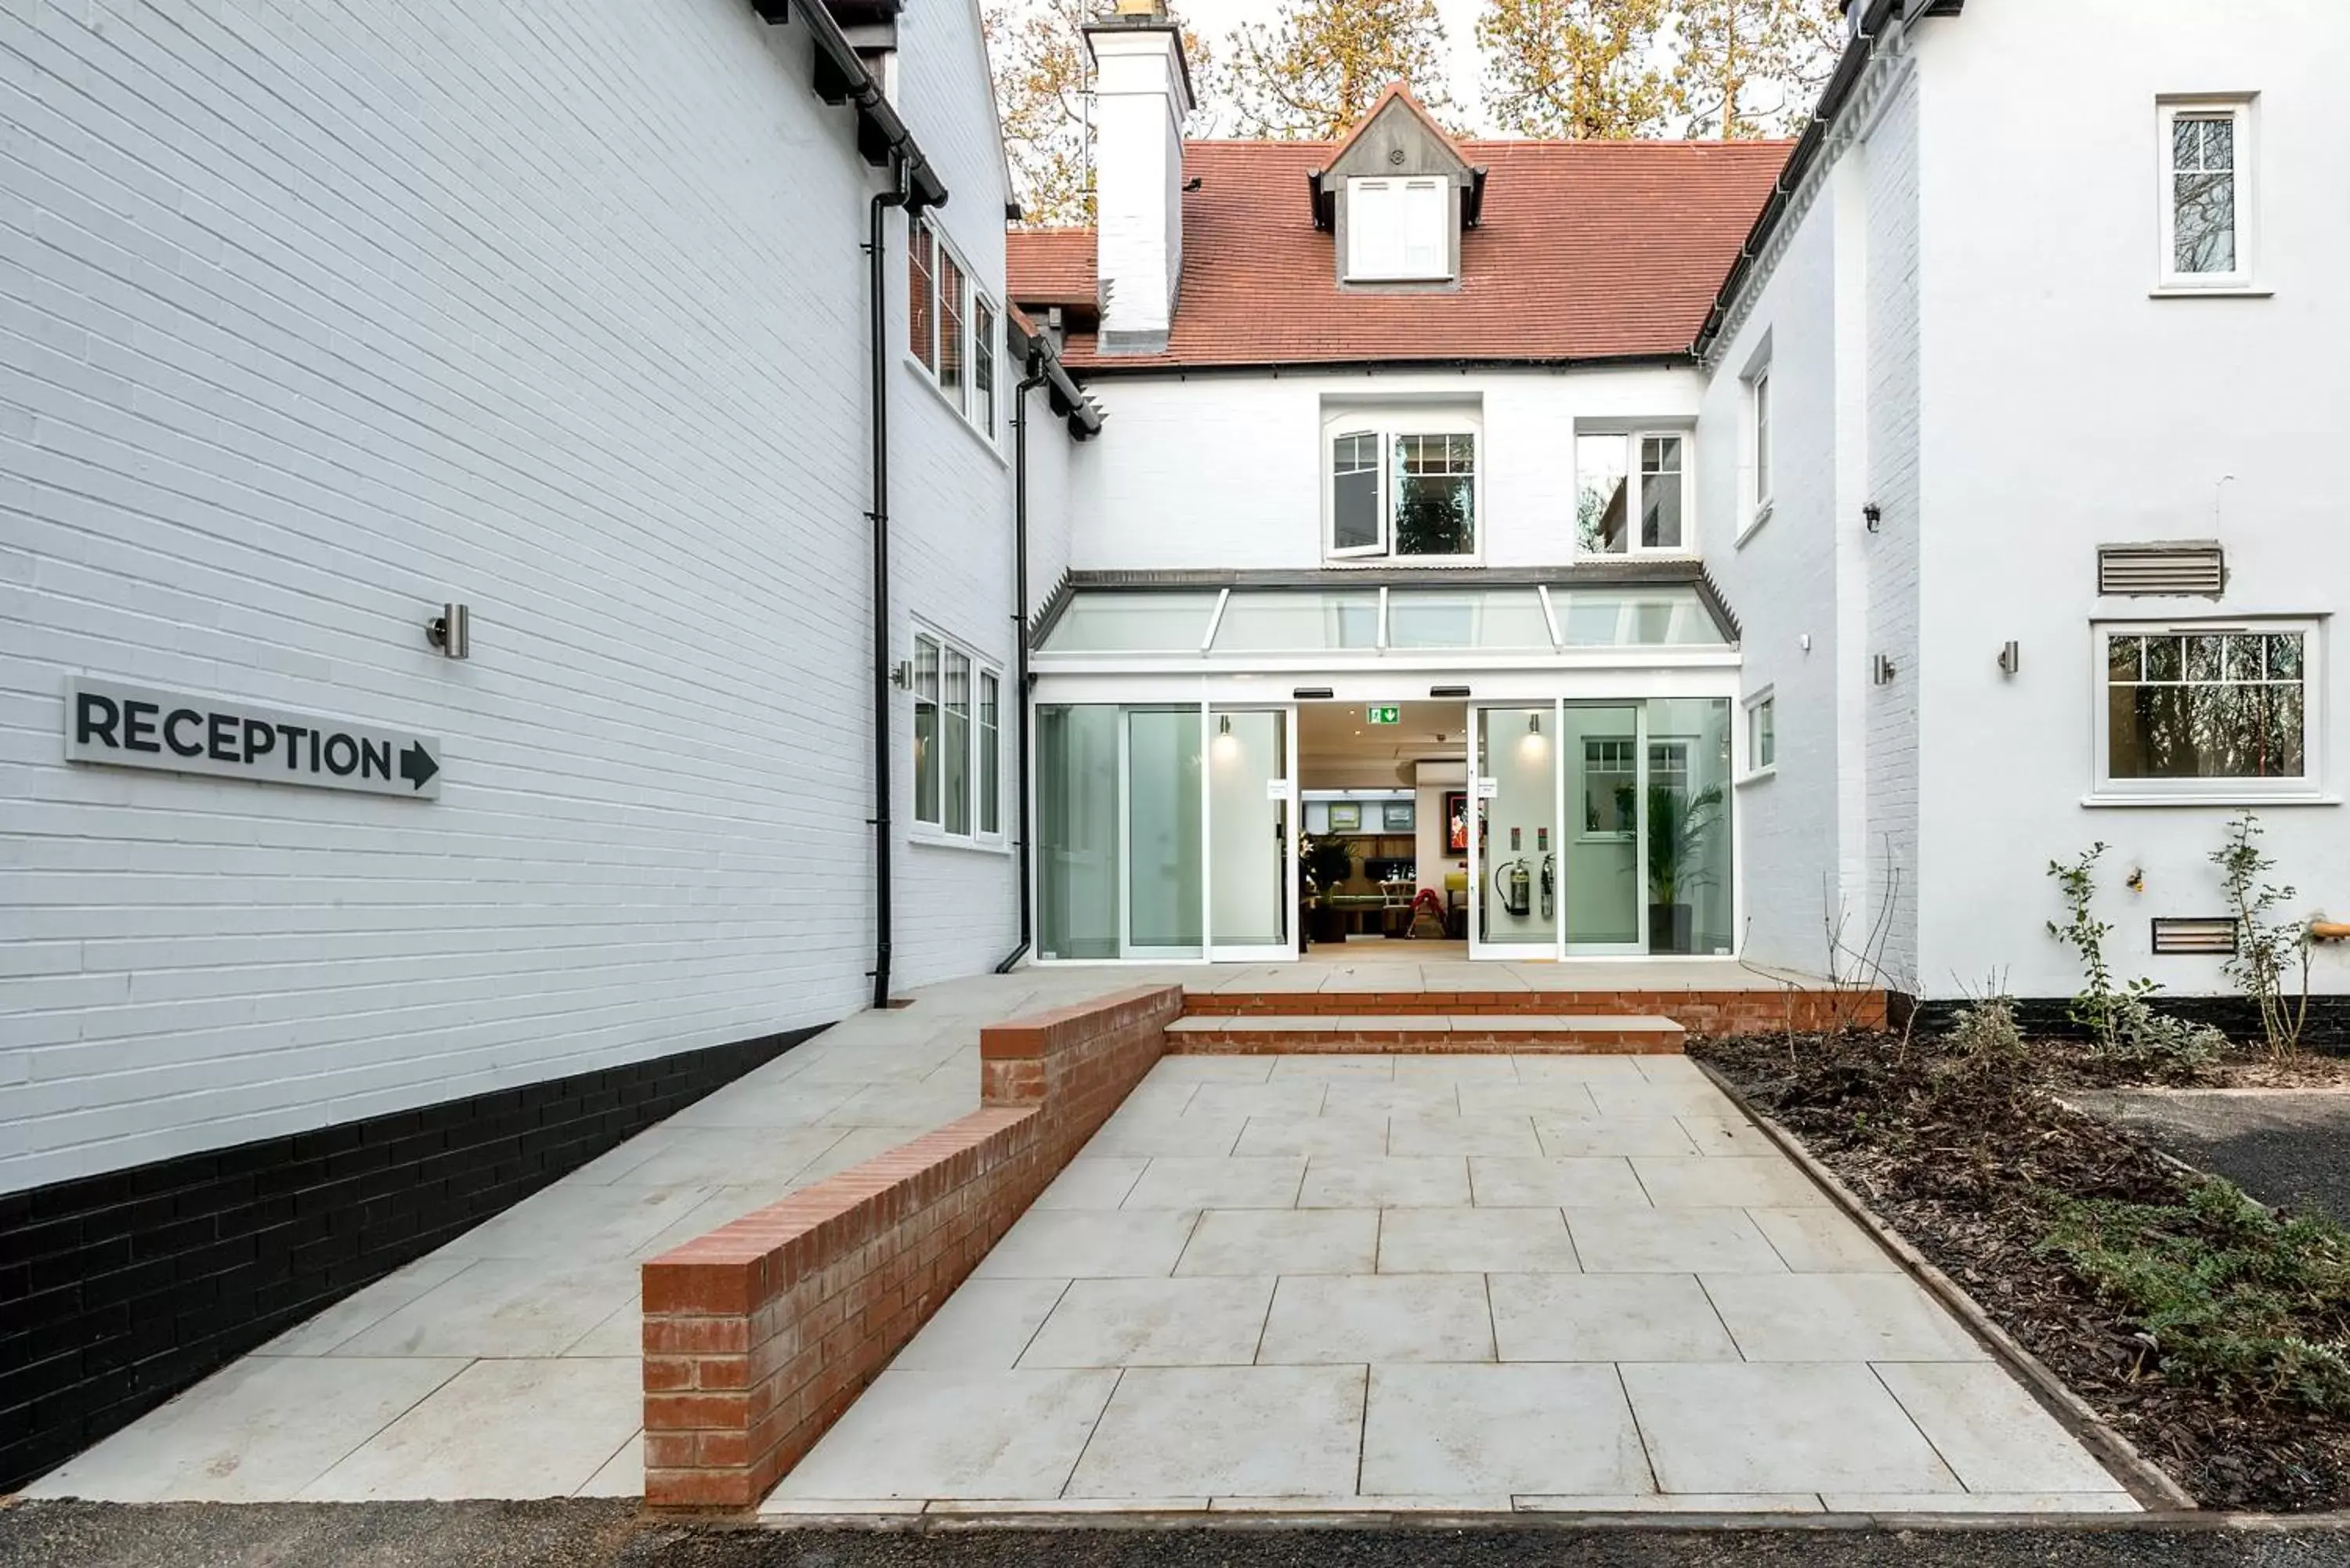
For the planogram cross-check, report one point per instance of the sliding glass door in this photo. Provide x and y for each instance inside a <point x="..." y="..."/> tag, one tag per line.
<point x="1252" y="891"/>
<point x="1601" y="828"/>
<point x="1164" y="832"/>
<point x="1166" y="865"/>
<point x="1600" y="746"/>
<point x="1513" y="785"/>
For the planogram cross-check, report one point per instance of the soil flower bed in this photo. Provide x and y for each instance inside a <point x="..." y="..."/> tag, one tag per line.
<point x="2207" y="1330"/>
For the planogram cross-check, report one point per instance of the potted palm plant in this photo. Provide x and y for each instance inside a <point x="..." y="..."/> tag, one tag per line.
<point x="1327" y="860"/>
<point x="1679" y="825"/>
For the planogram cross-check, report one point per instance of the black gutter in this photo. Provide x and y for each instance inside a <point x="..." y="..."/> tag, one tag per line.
<point x="1849" y="69"/>
<point x="883" y="141"/>
<point x="841" y="78"/>
<point x="1144" y="365"/>
<point x="1085" y="420"/>
<point x="878" y="256"/>
<point x="1039" y="372"/>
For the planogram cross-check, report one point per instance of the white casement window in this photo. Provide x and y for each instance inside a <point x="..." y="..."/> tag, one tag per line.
<point x="1758" y="442"/>
<point x="1762" y="733"/>
<point x="1399" y="485"/>
<point x="2207" y="193"/>
<point x="958" y="745"/>
<point x="991" y="755"/>
<point x="2206" y="711"/>
<point x="953" y="330"/>
<point x="1632" y="494"/>
<point x="1397" y="229"/>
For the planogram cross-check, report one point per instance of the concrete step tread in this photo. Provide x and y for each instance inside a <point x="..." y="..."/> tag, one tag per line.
<point x="1420" y="1023"/>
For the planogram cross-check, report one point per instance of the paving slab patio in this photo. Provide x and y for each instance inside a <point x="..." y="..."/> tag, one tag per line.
<point x="1275" y="1283"/>
<point x="507" y="1364"/>
<point x="1369" y="1283"/>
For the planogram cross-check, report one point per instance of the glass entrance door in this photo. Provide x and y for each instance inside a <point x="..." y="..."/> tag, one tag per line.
<point x="1165" y="865"/>
<point x="1252" y="794"/>
<point x="1606" y="804"/>
<point x="1513" y="815"/>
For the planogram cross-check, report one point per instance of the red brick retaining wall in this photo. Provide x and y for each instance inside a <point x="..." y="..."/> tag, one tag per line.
<point x="1699" y="1011"/>
<point x="758" y="1335"/>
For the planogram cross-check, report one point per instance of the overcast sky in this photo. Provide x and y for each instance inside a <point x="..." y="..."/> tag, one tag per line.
<point x="1214" y="18"/>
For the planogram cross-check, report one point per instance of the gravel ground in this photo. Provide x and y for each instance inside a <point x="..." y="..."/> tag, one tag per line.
<point x="2283" y="1146"/>
<point x="581" y="1534"/>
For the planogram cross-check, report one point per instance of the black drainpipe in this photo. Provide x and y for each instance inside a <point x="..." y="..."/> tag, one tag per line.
<point x="878" y="256"/>
<point x="1034" y="379"/>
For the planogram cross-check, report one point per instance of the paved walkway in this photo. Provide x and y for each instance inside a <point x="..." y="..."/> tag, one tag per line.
<point x="1485" y="1282"/>
<point x="507" y="1364"/>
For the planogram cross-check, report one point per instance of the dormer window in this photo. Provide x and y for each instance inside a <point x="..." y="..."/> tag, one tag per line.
<point x="1398" y="230"/>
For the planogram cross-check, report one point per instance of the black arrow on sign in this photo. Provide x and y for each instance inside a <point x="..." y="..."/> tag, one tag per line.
<point x="416" y="766"/>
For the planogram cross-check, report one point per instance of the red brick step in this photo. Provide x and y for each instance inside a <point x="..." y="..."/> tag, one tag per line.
<point x="1430" y="1035"/>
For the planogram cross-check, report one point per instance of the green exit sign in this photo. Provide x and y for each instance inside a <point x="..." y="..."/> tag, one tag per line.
<point x="1388" y="715"/>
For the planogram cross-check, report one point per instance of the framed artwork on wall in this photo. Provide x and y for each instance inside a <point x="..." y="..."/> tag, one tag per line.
<point x="1346" y="816"/>
<point x="1456" y="821"/>
<point x="1395" y="816"/>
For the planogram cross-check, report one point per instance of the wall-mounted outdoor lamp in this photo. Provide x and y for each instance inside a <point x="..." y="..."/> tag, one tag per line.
<point x="1880" y="669"/>
<point x="452" y="631"/>
<point x="1874" y="515"/>
<point x="2010" y="658"/>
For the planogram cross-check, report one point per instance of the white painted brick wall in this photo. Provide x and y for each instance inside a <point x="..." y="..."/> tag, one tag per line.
<point x="1782" y="581"/>
<point x="318" y="314"/>
<point x="1226" y="472"/>
<point x="2067" y="408"/>
<point x="1892" y="555"/>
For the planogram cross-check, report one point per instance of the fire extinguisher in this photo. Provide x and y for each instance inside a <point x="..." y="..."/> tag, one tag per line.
<point x="1517" y="889"/>
<point x="1549" y="885"/>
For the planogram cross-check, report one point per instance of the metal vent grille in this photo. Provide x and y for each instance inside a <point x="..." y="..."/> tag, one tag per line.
<point x="2214" y="935"/>
<point x="2187" y="569"/>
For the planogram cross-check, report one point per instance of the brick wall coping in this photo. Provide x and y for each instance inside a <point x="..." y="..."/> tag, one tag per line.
<point x="759" y="1334"/>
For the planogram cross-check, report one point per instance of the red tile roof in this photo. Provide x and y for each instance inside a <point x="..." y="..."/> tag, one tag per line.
<point x="1053" y="266"/>
<point x="1586" y="249"/>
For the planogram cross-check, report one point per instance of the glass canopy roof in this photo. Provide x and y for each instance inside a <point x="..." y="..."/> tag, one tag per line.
<point x="1240" y="621"/>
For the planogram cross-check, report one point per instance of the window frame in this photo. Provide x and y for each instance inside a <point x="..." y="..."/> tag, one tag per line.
<point x="2240" y="109"/>
<point x="2307" y="786"/>
<point x="1364" y="265"/>
<point x="1762" y="712"/>
<point x="1388" y="424"/>
<point x="1596" y="765"/>
<point x="979" y="318"/>
<point x="980" y="674"/>
<point x="1759" y="470"/>
<point x="1635" y="489"/>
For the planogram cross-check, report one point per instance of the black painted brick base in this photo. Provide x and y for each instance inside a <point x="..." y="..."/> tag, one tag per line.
<point x="2328" y="1029"/>
<point x="123" y="1289"/>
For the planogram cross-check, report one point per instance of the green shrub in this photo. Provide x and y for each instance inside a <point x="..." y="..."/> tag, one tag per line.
<point x="2143" y="1037"/>
<point x="2225" y="1292"/>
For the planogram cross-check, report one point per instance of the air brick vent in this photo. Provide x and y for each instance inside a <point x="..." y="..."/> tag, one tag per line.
<point x="2189" y="568"/>
<point x="2212" y="934"/>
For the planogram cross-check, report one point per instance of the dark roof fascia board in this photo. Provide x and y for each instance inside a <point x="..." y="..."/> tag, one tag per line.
<point x="882" y="137"/>
<point x="1069" y="399"/>
<point x="1677" y="358"/>
<point x="1850" y="68"/>
<point x="1324" y="200"/>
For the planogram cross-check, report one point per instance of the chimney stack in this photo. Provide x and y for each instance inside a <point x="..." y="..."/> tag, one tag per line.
<point x="1142" y="91"/>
